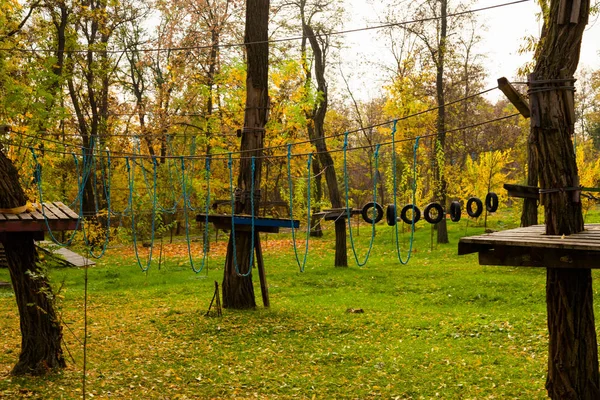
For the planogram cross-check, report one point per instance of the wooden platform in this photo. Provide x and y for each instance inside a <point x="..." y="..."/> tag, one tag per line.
<point x="531" y="247"/>
<point x="59" y="216"/>
<point x="244" y="222"/>
<point x="336" y="213"/>
<point x="65" y="256"/>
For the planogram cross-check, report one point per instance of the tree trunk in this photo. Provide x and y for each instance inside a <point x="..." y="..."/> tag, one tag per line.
<point x="315" y="223"/>
<point x="341" y="256"/>
<point x="441" y="184"/>
<point x="41" y="333"/>
<point x="573" y="351"/>
<point x="529" y="216"/>
<point x="238" y="291"/>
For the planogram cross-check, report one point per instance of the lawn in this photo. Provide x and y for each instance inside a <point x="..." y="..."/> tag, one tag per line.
<point x="439" y="327"/>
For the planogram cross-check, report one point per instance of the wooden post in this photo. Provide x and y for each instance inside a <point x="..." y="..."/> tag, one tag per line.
<point x="262" y="275"/>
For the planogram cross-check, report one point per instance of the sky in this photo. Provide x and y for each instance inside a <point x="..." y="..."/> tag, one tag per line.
<point x="502" y="34"/>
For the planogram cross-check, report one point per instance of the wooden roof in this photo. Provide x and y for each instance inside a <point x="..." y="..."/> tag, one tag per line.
<point x="59" y="216"/>
<point x="531" y="247"/>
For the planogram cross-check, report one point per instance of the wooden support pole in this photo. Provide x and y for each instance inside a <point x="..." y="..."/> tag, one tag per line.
<point x="514" y="97"/>
<point x="262" y="275"/>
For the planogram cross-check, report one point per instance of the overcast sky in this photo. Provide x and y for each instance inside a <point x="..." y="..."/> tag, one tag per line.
<point x="502" y="36"/>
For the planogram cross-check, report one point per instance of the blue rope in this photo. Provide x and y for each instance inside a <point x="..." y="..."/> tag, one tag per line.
<point x="235" y="263"/>
<point x="414" y="191"/>
<point x="168" y="210"/>
<point x="38" y="179"/>
<point x="131" y="178"/>
<point x="107" y="194"/>
<point x="290" y="185"/>
<point x="358" y="262"/>
<point x="186" y="204"/>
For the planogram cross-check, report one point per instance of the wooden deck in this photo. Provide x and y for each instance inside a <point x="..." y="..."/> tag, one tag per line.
<point x="59" y="216"/>
<point x="244" y="222"/>
<point x="531" y="247"/>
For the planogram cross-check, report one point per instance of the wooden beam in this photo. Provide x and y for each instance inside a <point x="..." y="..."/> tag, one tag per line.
<point x="523" y="192"/>
<point x="514" y="97"/>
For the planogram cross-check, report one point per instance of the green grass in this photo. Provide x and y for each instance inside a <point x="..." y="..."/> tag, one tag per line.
<point x="440" y="327"/>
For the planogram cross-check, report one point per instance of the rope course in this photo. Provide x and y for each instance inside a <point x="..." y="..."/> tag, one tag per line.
<point x="214" y="156"/>
<point x="347" y="187"/>
<point x="302" y="265"/>
<point x="336" y="135"/>
<point x="414" y="192"/>
<point x="186" y="205"/>
<point x="232" y="194"/>
<point x="131" y="179"/>
<point x="106" y="187"/>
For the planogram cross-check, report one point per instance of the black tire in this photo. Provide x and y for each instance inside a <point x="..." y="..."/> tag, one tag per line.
<point x="478" y="210"/>
<point x="390" y="215"/>
<point x="491" y="202"/>
<point x="427" y="213"/>
<point x="365" y="212"/>
<point x="404" y="214"/>
<point x="455" y="211"/>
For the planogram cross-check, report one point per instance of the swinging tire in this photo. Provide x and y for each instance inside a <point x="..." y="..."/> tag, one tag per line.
<point x="477" y="212"/>
<point x="427" y="213"/>
<point x="390" y="215"/>
<point x="365" y="212"/>
<point x="491" y="202"/>
<point x="455" y="211"/>
<point x="416" y="216"/>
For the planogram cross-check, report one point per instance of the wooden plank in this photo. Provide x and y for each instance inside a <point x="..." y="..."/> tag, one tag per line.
<point x="575" y="245"/>
<point x="12" y="217"/>
<point x="224" y="226"/>
<point x="242" y="220"/>
<point x="69" y="257"/>
<point x="514" y="97"/>
<point x="56" y="211"/>
<point x="535" y="257"/>
<point x="37" y="215"/>
<point x="47" y="212"/>
<point x="523" y="192"/>
<point x="25" y="216"/>
<point x="19" y="225"/>
<point x="66" y="210"/>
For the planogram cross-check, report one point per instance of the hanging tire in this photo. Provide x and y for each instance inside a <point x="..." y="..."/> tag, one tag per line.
<point x="427" y="213"/>
<point x="416" y="216"/>
<point x="491" y="202"/>
<point x="455" y="211"/>
<point x="365" y="212"/>
<point x="390" y="214"/>
<point x="477" y="212"/>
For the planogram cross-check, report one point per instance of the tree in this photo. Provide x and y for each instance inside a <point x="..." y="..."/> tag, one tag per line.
<point x="238" y="291"/>
<point x="316" y="129"/>
<point x="573" y="349"/>
<point x="41" y="333"/>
